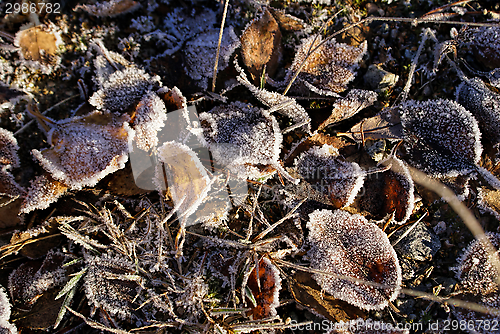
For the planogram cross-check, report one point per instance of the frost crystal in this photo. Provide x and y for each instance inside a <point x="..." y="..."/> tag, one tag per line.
<point x="150" y="117"/>
<point x="328" y="173"/>
<point x="187" y="179"/>
<point x="349" y="245"/>
<point x="346" y="107"/>
<point x="201" y="51"/>
<point x="239" y="134"/>
<point x="330" y="68"/>
<point x="123" y="88"/>
<point x="43" y="191"/>
<point x="111" y="8"/>
<point x="5" y="326"/>
<point x="476" y="271"/>
<point x="443" y="137"/>
<point x="109" y="283"/>
<point x="86" y="148"/>
<point x="483" y="104"/>
<point x="271" y="99"/>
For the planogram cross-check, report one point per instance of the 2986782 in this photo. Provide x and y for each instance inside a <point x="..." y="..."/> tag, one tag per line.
<point x="32" y="7"/>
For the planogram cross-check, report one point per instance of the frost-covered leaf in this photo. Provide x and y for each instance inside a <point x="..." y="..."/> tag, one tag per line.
<point x="43" y="191"/>
<point x="31" y="279"/>
<point x="380" y="126"/>
<point x="111" y="8"/>
<point x="485" y="44"/>
<point x="346" y="107"/>
<point x="476" y="270"/>
<point x="261" y="45"/>
<point x="329" y="69"/>
<point x="443" y="138"/>
<point x="187" y="179"/>
<point x="239" y="135"/>
<point x="266" y="290"/>
<point x="8" y="149"/>
<point x="285" y="105"/>
<point x="390" y="192"/>
<point x="330" y="174"/>
<point x="5" y="326"/>
<point x="201" y="51"/>
<point x="107" y="284"/>
<point x="85" y="149"/>
<point x="484" y="104"/>
<point x="149" y="117"/>
<point x="39" y="46"/>
<point x="349" y="245"/>
<point x="123" y="88"/>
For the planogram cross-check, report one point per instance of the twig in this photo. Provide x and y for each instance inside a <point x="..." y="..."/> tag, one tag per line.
<point x="218" y="45"/>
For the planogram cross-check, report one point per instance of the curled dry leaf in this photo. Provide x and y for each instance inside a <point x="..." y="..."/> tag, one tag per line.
<point x="39" y="46"/>
<point x="346" y="107"/>
<point x="111" y="8"/>
<point x="443" y="138"/>
<point x="390" y="192"/>
<point x="261" y="45"/>
<point x="201" y="51"/>
<point x="266" y="290"/>
<point x="285" y="105"/>
<point x="381" y="126"/>
<point x="86" y="148"/>
<point x="287" y="22"/>
<point x="484" y="104"/>
<point x="330" y="68"/>
<point x="330" y="174"/>
<point x="349" y="245"/>
<point x="187" y="179"/>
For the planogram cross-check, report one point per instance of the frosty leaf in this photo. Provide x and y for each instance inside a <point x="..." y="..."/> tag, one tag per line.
<point x="31" y="279"/>
<point x="360" y="326"/>
<point x="349" y="245"/>
<point x="330" y="68"/>
<point x="239" y="134"/>
<point x="8" y="185"/>
<point x="187" y="179"/>
<point x="271" y="99"/>
<point x="43" y="191"/>
<point x="485" y="44"/>
<point x="261" y="45"/>
<point x="85" y="149"/>
<point x="328" y="173"/>
<point x="346" y="107"/>
<point x="201" y="51"/>
<point x="476" y="270"/>
<point x="390" y="192"/>
<point x="150" y="116"/>
<point x="123" y="88"/>
<point x="107" y="286"/>
<point x="8" y="149"/>
<point x="483" y="104"/>
<point x="39" y="46"/>
<point x="4" y="304"/>
<point x="443" y="137"/>
<point x="111" y="8"/>
<point x="266" y="291"/>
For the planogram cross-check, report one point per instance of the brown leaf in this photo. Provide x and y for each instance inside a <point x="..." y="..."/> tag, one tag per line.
<point x="123" y="183"/>
<point x="9" y="214"/>
<point x="44" y="313"/>
<point x="319" y="139"/>
<point x="43" y="191"/>
<point x="489" y="200"/>
<point x="266" y="291"/>
<point x="261" y="45"/>
<point x="287" y="22"/>
<point x="376" y="127"/>
<point x="38" y="44"/>
<point x="307" y="292"/>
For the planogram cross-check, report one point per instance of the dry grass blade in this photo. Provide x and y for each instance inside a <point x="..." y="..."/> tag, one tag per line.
<point x="218" y="45"/>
